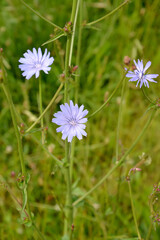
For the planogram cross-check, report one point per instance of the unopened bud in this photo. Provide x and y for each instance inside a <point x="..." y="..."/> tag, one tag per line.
<point x="126" y="60"/>
<point x="68" y="27"/>
<point x="62" y="77"/>
<point x="74" y="68"/>
<point x="13" y="174"/>
<point x="22" y="128"/>
<point x="133" y="67"/>
<point x="1" y="50"/>
<point x="22" y="125"/>
<point x="72" y="227"/>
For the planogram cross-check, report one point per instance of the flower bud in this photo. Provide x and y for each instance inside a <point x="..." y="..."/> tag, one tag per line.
<point x="126" y="60"/>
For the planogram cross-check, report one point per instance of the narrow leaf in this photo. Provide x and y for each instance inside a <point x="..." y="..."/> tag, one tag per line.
<point x="54" y="38"/>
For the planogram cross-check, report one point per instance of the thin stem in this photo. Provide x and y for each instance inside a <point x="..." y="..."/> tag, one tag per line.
<point x="46" y="109"/>
<point x="72" y="158"/>
<point x="149" y="231"/>
<point x="144" y="93"/>
<point x="105" y="103"/>
<point x="74" y="28"/>
<point x="68" y="60"/>
<point x="20" y="150"/>
<point x="69" y="208"/>
<point x="59" y="163"/>
<point x="78" y="50"/>
<point x="39" y="15"/>
<point x="119" y="162"/>
<point x="18" y="136"/>
<point x="41" y="109"/>
<point x="39" y="233"/>
<point x="79" y="4"/>
<point x="133" y="210"/>
<point x="108" y="15"/>
<point x="119" y="120"/>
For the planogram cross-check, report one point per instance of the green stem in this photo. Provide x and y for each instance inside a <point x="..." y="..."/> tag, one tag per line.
<point x="39" y="15"/>
<point x="104" y="104"/>
<point x="18" y="136"/>
<point x="20" y="150"/>
<point x="108" y="15"/>
<point x="77" y="76"/>
<point x="78" y="51"/>
<point x="41" y="108"/>
<point x="46" y="109"/>
<point x="69" y="208"/>
<point x="39" y="233"/>
<point x="133" y="210"/>
<point x="144" y="93"/>
<point x="74" y="16"/>
<point x="72" y="158"/>
<point x="119" y="162"/>
<point x="59" y="163"/>
<point x="68" y="59"/>
<point x="149" y="231"/>
<point x="119" y="120"/>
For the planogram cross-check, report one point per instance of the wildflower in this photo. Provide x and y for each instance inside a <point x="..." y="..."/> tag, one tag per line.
<point x="71" y="118"/>
<point x="34" y="62"/>
<point x="139" y="74"/>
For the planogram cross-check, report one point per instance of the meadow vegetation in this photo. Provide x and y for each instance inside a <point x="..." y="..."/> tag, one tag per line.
<point x="106" y="213"/>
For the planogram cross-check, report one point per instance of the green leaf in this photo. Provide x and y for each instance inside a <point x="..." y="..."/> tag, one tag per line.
<point x="27" y="178"/>
<point x="54" y="38"/>
<point x="24" y="193"/>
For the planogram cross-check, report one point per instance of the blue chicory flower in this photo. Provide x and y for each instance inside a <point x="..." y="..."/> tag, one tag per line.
<point x="139" y="74"/>
<point x="34" y="62"/>
<point x="71" y="120"/>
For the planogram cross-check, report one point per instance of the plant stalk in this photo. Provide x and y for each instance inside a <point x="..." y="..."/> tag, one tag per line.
<point x="120" y="161"/>
<point x="41" y="109"/>
<point x="46" y="109"/>
<point x="119" y="121"/>
<point x="108" y="15"/>
<point x="133" y="210"/>
<point x="107" y="101"/>
<point x="68" y="59"/>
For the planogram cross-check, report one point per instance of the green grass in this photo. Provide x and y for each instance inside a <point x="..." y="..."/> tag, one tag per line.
<point x="106" y="213"/>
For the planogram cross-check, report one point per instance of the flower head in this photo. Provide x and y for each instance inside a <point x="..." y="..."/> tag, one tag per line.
<point x="139" y="74"/>
<point x="71" y="120"/>
<point x="34" y="62"/>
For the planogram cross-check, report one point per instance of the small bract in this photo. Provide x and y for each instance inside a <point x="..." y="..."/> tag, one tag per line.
<point x="139" y="74"/>
<point x="34" y="62"/>
<point x="71" y="118"/>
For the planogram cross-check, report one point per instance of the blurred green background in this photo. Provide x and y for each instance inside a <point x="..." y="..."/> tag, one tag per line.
<point x="106" y="214"/>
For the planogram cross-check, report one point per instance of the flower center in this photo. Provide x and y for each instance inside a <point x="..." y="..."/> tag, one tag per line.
<point x="73" y="123"/>
<point x="141" y="75"/>
<point x="37" y="65"/>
